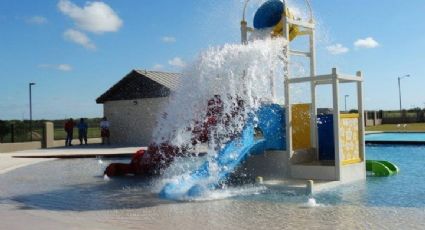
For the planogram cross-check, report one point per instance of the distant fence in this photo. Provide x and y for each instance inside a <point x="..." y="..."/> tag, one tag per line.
<point x="373" y="118"/>
<point x="399" y="117"/>
<point x="19" y="131"/>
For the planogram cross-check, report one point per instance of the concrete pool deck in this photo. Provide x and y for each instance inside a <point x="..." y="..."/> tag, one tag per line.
<point x="14" y="160"/>
<point x="79" y="152"/>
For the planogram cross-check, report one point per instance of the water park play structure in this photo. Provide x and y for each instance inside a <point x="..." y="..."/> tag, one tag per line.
<point x="277" y="143"/>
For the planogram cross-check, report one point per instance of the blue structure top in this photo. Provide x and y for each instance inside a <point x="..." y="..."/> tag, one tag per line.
<point x="269" y="14"/>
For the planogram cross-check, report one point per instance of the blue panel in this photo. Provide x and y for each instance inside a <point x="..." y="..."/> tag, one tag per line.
<point x="269" y="14"/>
<point x="326" y="137"/>
<point x="271" y="120"/>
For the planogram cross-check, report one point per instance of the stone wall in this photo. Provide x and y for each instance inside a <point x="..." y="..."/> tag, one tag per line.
<point x="133" y="121"/>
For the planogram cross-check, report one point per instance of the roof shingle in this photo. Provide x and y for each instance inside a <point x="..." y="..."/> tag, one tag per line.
<point x="142" y="84"/>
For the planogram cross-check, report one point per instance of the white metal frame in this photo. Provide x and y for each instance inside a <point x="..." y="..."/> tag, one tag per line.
<point x="308" y="28"/>
<point x="335" y="79"/>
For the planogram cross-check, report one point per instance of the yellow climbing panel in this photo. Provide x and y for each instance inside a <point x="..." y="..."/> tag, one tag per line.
<point x="301" y="138"/>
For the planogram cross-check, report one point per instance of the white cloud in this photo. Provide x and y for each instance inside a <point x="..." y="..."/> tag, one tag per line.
<point x="64" y="67"/>
<point x="37" y="20"/>
<point x="177" y="62"/>
<point x="158" y="67"/>
<point x="337" y="49"/>
<point x="79" y="38"/>
<point x="96" y="17"/>
<point x="168" y="39"/>
<point x="368" y="42"/>
<point x="60" y="67"/>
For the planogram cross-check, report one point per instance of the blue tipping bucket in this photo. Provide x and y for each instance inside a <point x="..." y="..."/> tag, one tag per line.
<point x="269" y="14"/>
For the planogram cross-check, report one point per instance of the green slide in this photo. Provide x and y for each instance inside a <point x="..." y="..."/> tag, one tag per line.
<point x="381" y="168"/>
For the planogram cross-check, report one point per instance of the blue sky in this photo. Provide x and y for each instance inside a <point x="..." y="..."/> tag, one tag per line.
<point x="75" y="50"/>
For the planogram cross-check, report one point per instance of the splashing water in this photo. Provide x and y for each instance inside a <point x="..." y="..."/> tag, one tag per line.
<point x="106" y="178"/>
<point x="232" y="71"/>
<point x="230" y="74"/>
<point x="311" y="203"/>
<point x="225" y="193"/>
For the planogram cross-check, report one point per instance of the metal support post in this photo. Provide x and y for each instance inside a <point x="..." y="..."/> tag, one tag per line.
<point x="361" y="116"/>
<point x="336" y="122"/>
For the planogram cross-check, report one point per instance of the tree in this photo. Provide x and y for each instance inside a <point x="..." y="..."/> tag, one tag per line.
<point x="416" y="109"/>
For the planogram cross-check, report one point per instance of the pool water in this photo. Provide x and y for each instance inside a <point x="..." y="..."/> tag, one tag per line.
<point x="77" y="186"/>
<point x="397" y="137"/>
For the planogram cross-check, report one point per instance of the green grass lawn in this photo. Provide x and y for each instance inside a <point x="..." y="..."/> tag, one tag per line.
<point x="412" y="127"/>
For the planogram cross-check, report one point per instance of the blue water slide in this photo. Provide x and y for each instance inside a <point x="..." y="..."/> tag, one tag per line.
<point x="265" y="132"/>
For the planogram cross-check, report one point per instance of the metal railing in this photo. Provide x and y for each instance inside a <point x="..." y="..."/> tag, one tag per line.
<point x="19" y="131"/>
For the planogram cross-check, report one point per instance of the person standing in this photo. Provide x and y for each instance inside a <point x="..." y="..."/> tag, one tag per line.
<point x="82" y="131"/>
<point x="104" y="131"/>
<point x="69" y="129"/>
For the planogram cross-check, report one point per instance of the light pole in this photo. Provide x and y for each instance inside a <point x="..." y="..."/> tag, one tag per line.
<point x="399" y="88"/>
<point x="345" y="101"/>
<point x="30" y="92"/>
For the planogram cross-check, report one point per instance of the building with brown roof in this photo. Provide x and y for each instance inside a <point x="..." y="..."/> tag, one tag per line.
<point x="132" y="105"/>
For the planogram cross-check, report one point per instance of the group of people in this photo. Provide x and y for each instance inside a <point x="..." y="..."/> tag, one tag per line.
<point x="82" y="127"/>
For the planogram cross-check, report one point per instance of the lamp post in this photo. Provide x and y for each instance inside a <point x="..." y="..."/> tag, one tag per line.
<point x="345" y="102"/>
<point x="30" y="92"/>
<point x="399" y="88"/>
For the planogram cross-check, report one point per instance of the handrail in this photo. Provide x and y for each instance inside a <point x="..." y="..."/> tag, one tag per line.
<point x="311" y="10"/>
<point x="244" y="9"/>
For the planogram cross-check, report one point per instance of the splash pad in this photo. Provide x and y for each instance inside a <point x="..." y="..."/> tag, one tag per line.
<point x="228" y="102"/>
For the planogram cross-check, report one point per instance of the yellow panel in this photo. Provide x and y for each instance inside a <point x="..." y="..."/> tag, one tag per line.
<point x="349" y="138"/>
<point x="301" y="126"/>
<point x="352" y="161"/>
<point x="294" y="30"/>
<point x="349" y="115"/>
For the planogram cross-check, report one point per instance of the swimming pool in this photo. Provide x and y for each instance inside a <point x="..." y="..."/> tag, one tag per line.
<point x="400" y="138"/>
<point x="75" y="187"/>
